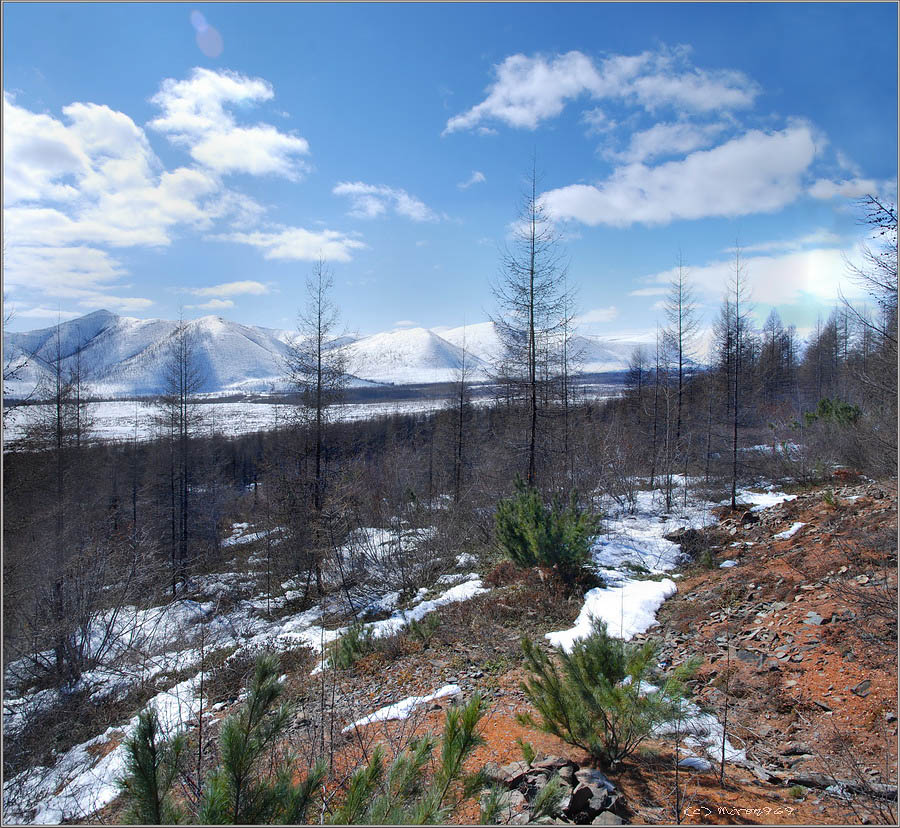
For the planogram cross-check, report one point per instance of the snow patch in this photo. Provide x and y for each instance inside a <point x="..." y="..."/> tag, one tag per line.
<point x="789" y="533"/>
<point x="402" y="709"/>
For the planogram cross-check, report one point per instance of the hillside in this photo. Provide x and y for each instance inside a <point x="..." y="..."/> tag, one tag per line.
<point x="124" y="356"/>
<point x="793" y="600"/>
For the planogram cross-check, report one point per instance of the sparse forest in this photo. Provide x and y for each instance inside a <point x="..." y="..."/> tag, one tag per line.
<point x="320" y="519"/>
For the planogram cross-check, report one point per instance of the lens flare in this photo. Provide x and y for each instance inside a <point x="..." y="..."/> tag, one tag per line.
<point x="209" y="41"/>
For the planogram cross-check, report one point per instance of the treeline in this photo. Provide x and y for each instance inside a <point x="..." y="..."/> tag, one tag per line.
<point x="90" y="528"/>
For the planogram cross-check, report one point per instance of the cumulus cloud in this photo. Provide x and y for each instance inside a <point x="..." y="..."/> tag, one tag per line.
<point x="371" y="201"/>
<point x="596" y="315"/>
<point x="663" y="139"/>
<point x="213" y="304"/>
<point x="530" y="89"/>
<point x="825" y="189"/>
<point x="475" y="178"/>
<point x="784" y="279"/>
<point x="232" y="289"/>
<point x="196" y="115"/>
<point x="816" y="238"/>
<point x="755" y="172"/>
<point x="298" y="243"/>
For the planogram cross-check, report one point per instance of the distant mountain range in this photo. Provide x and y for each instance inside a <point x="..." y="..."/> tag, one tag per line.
<point x="124" y="356"/>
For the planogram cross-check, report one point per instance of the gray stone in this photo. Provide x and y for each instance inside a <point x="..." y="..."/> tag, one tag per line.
<point x="588" y="776"/>
<point x="567" y="774"/>
<point x="795" y="749"/>
<point x="862" y="689"/>
<point x="513" y="773"/>
<point x="578" y="800"/>
<point x="607" y="818"/>
<point x="813" y="618"/>
<point x="552" y="763"/>
<point x="492" y="772"/>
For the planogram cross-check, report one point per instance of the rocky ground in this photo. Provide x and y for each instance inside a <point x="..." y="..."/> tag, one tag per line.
<point x="797" y="640"/>
<point x="798" y="650"/>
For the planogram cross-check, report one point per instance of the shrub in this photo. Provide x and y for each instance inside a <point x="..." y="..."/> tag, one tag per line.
<point x="423" y="631"/>
<point x="595" y="699"/>
<point x="359" y="640"/>
<point x="253" y="786"/>
<point x="399" y="795"/>
<point x="530" y="534"/>
<point x="833" y="411"/>
<point x="244" y="788"/>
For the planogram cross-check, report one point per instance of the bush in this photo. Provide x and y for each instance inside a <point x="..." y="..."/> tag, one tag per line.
<point x="253" y="786"/>
<point x="596" y="700"/>
<point x="833" y="411"/>
<point x="530" y="534"/>
<point x="358" y="641"/>
<point x="245" y="788"/>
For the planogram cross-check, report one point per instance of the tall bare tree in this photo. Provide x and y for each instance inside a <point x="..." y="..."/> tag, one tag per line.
<point x="316" y="365"/>
<point x="681" y="313"/>
<point x="533" y="305"/>
<point x="184" y="378"/>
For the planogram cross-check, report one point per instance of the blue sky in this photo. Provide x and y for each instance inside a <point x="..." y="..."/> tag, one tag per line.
<point x="160" y="157"/>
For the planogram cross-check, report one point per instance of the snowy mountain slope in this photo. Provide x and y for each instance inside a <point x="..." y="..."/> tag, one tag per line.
<point x="411" y="355"/>
<point x="121" y="356"/>
<point x="479" y="340"/>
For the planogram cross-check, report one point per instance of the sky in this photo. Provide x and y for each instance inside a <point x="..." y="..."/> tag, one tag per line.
<point x="166" y="159"/>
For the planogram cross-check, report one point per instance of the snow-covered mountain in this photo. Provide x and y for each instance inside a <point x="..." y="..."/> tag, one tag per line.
<point x="121" y="356"/>
<point x="410" y="355"/>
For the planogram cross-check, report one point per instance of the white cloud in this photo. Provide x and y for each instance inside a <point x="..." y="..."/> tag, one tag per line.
<point x="232" y="289"/>
<point x="596" y="315"/>
<point x="817" y="237"/>
<point x="195" y="115"/>
<point x="598" y="121"/>
<point x="476" y="178"/>
<point x="756" y="172"/>
<point x="669" y="139"/>
<point x="64" y="272"/>
<point x="213" y="304"/>
<point x="297" y="243"/>
<point x="785" y="279"/>
<point x="39" y="312"/>
<point x="406" y="323"/>
<point x="528" y="90"/>
<point x="649" y="291"/>
<point x="825" y="189"/>
<point x="370" y="201"/>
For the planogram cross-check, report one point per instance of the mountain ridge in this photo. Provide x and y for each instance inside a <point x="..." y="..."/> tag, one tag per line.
<point x="126" y="356"/>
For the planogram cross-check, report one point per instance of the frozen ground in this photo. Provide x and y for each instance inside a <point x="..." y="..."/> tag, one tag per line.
<point x="134" y="420"/>
<point x="150" y="646"/>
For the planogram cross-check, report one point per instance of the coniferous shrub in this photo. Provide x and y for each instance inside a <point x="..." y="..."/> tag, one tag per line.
<point x="252" y="786"/>
<point x="559" y="537"/>
<point x="151" y="763"/>
<point x="594" y="699"/>
<point x="358" y="641"/>
<point x="399" y="795"/>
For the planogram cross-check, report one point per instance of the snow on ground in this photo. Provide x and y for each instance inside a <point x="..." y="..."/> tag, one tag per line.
<point x="703" y="733"/>
<point x="759" y="500"/>
<point x="634" y="542"/>
<point x="789" y="533"/>
<point x="147" y="644"/>
<point x="628" y="609"/>
<point x="79" y="783"/>
<point x="402" y="709"/>
<point x="126" y="420"/>
<point x="727" y="564"/>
